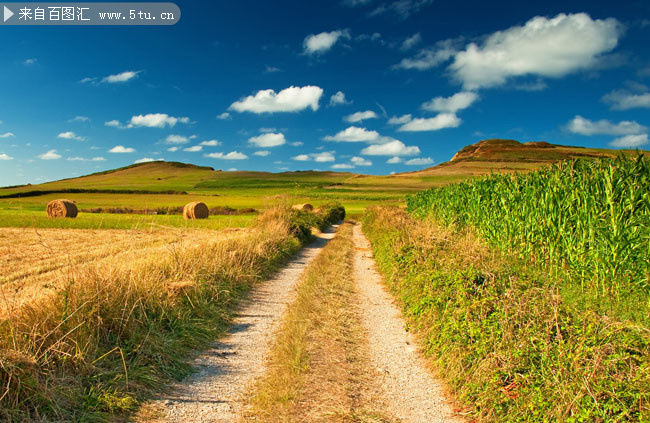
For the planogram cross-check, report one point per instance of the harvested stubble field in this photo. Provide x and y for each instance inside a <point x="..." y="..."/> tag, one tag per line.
<point x="48" y="259"/>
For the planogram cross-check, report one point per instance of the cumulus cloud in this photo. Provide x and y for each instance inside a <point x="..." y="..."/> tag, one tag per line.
<point x="411" y="41"/>
<point x="50" y="155"/>
<point x="342" y="166"/>
<point x="156" y="120"/>
<point x="120" y="149"/>
<point x="394" y="160"/>
<point x="113" y="123"/>
<point x="582" y="126"/>
<point x="625" y="100"/>
<point x="321" y="43"/>
<point x="297" y="144"/>
<point x="456" y="102"/>
<point x="400" y="120"/>
<point x="30" y="62"/>
<point x="70" y="136"/>
<point x="430" y="57"/>
<point x="4" y="156"/>
<point x="121" y="77"/>
<point x="630" y="141"/>
<point x="193" y="149"/>
<point x="147" y="160"/>
<point x="210" y="143"/>
<point x="262" y="153"/>
<point x="173" y="149"/>
<point x="339" y="99"/>
<point x="354" y="134"/>
<point x="224" y="116"/>
<point x="393" y="148"/>
<point x="292" y="99"/>
<point x="360" y="116"/>
<point x="268" y="140"/>
<point x="79" y="119"/>
<point x="420" y="161"/>
<point x="233" y="155"/>
<point x="360" y="161"/>
<point x="7" y="135"/>
<point x="544" y="47"/>
<point x="441" y="121"/>
<point x="327" y="156"/>
<point x="176" y="139"/>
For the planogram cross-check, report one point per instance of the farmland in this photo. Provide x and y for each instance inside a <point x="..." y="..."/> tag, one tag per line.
<point x="522" y="280"/>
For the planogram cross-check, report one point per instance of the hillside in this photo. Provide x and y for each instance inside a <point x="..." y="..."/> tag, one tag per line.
<point x="501" y="155"/>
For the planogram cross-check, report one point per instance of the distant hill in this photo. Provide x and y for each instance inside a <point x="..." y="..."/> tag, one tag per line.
<point x="502" y="155"/>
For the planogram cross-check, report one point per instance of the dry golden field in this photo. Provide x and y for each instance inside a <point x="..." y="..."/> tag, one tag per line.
<point x="37" y="262"/>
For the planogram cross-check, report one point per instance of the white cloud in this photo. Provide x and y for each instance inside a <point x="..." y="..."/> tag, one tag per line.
<point x="268" y="140"/>
<point x="393" y="148"/>
<point x="70" y="136"/>
<point x="403" y="8"/>
<point x="210" y="143"/>
<point x="582" y="126"/>
<point x="50" y="155"/>
<point x="419" y="161"/>
<point x="4" y="156"/>
<point x="411" y="41"/>
<point x="7" y="135"/>
<point x="79" y="119"/>
<point x="233" y="155"/>
<point x="193" y="149"/>
<point x="267" y="130"/>
<point x="176" y="139"/>
<point x="360" y="116"/>
<point x="156" y="120"/>
<point x="543" y="47"/>
<point x="443" y="120"/>
<point x="456" y="102"/>
<point x="630" y="141"/>
<point x="271" y="69"/>
<point x="339" y="99"/>
<point x="147" y="160"/>
<point x="323" y="157"/>
<point x="120" y="149"/>
<point x="356" y="3"/>
<point x="343" y="166"/>
<point x="624" y="100"/>
<point x="292" y="99"/>
<point x="173" y="149"/>
<point x="430" y="57"/>
<point x="360" y="161"/>
<point x="354" y="134"/>
<point x="320" y="43"/>
<point x="30" y="62"/>
<point x="114" y="123"/>
<point x="88" y="79"/>
<point x="121" y="77"/>
<point x="224" y="116"/>
<point x="394" y="160"/>
<point x="400" y="120"/>
<point x="262" y="153"/>
<point x="98" y="159"/>
<point x="297" y="144"/>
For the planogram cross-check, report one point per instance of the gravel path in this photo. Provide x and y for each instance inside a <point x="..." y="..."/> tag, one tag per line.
<point x="230" y="366"/>
<point x="412" y="394"/>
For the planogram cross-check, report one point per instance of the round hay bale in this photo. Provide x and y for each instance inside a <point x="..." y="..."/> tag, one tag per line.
<point x="304" y="207"/>
<point x="196" y="210"/>
<point x="62" y="208"/>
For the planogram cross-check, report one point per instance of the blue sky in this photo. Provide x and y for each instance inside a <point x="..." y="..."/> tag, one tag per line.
<point x="369" y="86"/>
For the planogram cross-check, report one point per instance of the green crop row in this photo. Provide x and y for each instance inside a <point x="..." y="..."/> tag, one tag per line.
<point x="589" y="218"/>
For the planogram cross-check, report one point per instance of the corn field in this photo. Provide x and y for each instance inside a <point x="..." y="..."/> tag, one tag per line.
<point x="590" y="218"/>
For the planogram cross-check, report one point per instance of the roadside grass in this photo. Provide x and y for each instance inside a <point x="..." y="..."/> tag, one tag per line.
<point x="317" y="369"/>
<point x="508" y="340"/>
<point x="116" y="332"/>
